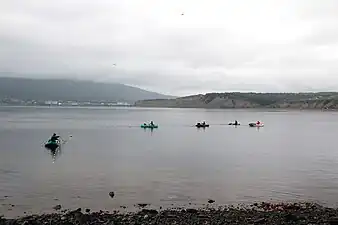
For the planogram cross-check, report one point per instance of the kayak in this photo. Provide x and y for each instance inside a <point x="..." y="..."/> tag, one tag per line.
<point x="201" y="125"/>
<point x="149" y="126"/>
<point x="256" y="125"/>
<point x="52" y="145"/>
<point x="233" y="124"/>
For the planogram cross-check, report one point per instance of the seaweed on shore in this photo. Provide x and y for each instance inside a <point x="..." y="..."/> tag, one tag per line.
<point x="259" y="213"/>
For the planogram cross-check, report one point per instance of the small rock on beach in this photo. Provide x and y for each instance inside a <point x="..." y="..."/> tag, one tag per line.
<point x="57" y="207"/>
<point x="211" y="201"/>
<point x="111" y="194"/>
<point x="142" y="205"/>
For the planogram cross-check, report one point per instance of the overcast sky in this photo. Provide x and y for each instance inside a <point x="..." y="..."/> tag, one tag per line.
<point x="235" y="45"/>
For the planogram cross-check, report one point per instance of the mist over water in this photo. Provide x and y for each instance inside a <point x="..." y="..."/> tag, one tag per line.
<point x="293" y="158"/>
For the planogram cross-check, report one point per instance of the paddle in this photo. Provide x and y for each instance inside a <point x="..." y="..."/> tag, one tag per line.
<point x="62" y="141"/>
<point x="65" y="141"/>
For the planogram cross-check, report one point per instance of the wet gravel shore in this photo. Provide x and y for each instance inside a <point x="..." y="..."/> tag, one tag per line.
<point x="259" y="213"/>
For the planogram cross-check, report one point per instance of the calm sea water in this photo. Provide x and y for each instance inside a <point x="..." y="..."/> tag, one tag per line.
<point x="294" y="157"/>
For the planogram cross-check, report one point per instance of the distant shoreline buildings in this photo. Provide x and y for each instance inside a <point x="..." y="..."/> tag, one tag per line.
<point x="19" y="102"/>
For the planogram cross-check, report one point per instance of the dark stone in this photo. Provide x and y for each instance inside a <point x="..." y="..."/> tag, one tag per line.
<point x="142" y="205"/>
<point x="87" y="210"/>
<point x="80" y="218"/>
<point x="255" y="204"/>
<point x="149" y="211"/>
<point x="205" y="217"/>
<point x="192" y="210"/>
<point x="10" y="222"/>
<point x="333" y="221"/>
<point x="259" y="221"/>
<point x="57" y="207"/>
<point x="211" y="201"/>
<point x="75" y="212"/>
<point x="291" y="217"/>
<point x="292" y="207"/>
<point x="111" y="194"/>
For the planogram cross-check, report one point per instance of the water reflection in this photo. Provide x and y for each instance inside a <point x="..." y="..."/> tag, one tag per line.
<point x="55" y="153"/>
<point x="201" y="128"/>
<point x="149" y="129"/>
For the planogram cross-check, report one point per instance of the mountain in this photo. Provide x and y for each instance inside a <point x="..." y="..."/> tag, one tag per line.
<point x="319" y="100"/>
<point x="71" y="90"/>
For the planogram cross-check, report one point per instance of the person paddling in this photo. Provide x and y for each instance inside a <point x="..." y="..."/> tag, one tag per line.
<point x="54" y="137"/>
<point x="258" y="122"/>
<point x="236" y="122"/>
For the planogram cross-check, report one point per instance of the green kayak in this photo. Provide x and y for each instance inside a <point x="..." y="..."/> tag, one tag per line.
<point x="149" y="126"/>
<point x="52" y="145"/>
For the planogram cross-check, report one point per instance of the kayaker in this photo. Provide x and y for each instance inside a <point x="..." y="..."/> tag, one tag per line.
<point x="152" y="123"/>
<point x="236" y="122"/>
<point x="258" y="122"/>
<point x="54" y="137"/>
<point x="203" y="123"/>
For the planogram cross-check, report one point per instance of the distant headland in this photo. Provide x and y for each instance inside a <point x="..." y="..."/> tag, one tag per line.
<point x="234" y="100"/>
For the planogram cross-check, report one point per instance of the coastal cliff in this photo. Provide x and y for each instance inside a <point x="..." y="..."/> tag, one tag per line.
<point x="319" y="100"/>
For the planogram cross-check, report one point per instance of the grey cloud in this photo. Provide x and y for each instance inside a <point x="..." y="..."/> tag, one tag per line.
<point x="218" y="46"/>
